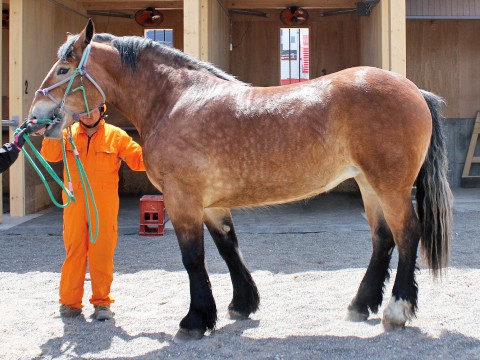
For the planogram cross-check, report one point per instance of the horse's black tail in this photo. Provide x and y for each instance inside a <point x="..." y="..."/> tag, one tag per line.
<point x="433" y="195"/>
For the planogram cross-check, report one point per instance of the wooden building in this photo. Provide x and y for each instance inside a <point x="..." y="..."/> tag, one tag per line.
<point x="434" y="43"/>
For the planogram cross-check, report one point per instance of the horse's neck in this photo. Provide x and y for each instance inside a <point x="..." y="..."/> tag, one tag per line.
<point x="153" y="96"/>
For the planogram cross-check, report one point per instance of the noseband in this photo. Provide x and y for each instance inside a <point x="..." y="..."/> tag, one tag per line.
<point x="79" y="71"/>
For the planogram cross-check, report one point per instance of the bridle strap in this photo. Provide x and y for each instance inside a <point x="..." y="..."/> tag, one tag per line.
<point x="80" y="70"/>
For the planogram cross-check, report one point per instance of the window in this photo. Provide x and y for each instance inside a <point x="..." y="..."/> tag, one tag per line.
<point x="294" y="55"/>
<point x="160" y="35"/>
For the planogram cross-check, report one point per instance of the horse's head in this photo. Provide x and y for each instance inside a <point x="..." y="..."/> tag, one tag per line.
<point x="68" y="91"/>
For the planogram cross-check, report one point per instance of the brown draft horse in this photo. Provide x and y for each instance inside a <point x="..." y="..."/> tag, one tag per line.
<point x="212" y="143"/>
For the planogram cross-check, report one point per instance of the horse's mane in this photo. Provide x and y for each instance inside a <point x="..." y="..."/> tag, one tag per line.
<point x="130" y="47"/>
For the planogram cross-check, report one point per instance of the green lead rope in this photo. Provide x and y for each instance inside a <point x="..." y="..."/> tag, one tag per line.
<point x="87" y="189"/>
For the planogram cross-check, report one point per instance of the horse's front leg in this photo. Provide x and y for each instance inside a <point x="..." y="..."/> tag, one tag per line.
<point x="245" y="294"/>
<point x="186" y="215"/>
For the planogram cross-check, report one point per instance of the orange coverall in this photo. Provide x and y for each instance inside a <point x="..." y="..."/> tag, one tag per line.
<point x="101" y="156"/>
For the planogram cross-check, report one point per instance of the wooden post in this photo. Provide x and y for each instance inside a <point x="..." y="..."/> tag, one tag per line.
<point x="383" y="37"/>
<point x="192" y="28"/>
<point x="398" y="37"/>
<point x="206" y="31"/>
<point x="17" y="170"/>
<point x="384" y="7"/>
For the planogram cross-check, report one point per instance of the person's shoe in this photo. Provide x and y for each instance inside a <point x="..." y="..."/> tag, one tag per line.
<point x="103" y="312"/>
<point x="68" y="311"/>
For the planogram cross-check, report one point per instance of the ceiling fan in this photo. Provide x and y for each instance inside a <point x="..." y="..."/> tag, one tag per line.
<point x="293" y="16"/>
<point x="148" y="17"/>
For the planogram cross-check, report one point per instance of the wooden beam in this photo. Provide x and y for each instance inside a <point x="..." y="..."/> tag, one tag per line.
<point x="131" y="4"/>
<point x="280" y="4"/>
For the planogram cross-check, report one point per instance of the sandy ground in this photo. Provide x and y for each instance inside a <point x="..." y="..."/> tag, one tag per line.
<point x="306" y="281"/>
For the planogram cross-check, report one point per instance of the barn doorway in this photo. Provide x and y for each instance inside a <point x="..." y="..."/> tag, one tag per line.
<point x="294" y="55"/>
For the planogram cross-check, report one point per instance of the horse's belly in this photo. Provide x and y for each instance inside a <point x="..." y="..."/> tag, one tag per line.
<point x="261" y="193"/>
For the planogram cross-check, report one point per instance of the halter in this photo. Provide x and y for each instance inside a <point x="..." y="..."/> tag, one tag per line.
<point x="80" y="70"/>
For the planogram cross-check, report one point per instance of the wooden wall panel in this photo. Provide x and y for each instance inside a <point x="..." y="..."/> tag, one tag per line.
<point x="255" y="57"/>
<point x="1" y="113"/>
<point x="173" y="19"/>
<point x="468" y="68"/>
<point x="451" y="8"/>
<point x="37" y="29"/>
<point x="442" y="57"/>
<point x="256" y="53"/>
<point x="335" y="44"/>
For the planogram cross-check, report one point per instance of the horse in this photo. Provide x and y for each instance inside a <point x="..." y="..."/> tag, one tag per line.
<point x="212" y="143"/>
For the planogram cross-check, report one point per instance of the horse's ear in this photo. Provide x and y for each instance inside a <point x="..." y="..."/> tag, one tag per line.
<point x="89" y="31"/>
<point x="84" y="38"/>
<point x="86" y="35"/>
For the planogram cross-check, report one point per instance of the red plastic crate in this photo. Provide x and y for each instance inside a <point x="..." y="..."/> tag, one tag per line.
<point x="152" y="215"/>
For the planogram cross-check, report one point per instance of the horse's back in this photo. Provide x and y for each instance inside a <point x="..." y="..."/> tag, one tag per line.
<point x="257" y="146"/>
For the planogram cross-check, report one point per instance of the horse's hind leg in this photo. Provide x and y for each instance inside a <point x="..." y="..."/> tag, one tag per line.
<point x="187" y="218"/>
<point x="370" y="291"/>
<point x="403" y="222"/>
<point x="245" y="294"/>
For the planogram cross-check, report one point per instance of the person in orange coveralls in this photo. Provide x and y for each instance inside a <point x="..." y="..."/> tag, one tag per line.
<point x="102" y="147"/>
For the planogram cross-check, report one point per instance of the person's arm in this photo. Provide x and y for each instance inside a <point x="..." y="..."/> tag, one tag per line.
<point x="52" y="150"/>
<point x="130" y="152"/>
<point x="9" y="151"/>
<point x="8" y="155"/>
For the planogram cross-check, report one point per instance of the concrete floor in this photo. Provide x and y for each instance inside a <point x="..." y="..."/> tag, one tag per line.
<point x="333" y="212"/>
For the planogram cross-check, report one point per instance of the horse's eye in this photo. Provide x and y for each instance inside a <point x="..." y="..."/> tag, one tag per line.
<point x="63" y="71"/>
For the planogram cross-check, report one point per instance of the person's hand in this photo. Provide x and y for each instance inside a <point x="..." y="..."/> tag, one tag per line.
<point x="19" y="140"/>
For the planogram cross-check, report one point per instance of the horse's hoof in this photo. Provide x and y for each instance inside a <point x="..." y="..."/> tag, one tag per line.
<point x="236" y="315"/>
<point x="184" y="335"/>
<point x="396" y="314"/>
<point x="389" y="326"/>
<point x="355" y="316"/>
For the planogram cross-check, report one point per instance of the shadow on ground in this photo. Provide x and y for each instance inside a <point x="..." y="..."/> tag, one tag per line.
<point x="227" y="341"/>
